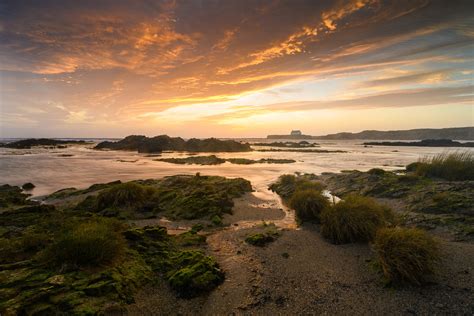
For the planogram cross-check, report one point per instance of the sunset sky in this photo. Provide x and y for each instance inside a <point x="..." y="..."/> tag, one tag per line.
<point x="233" y="68"/>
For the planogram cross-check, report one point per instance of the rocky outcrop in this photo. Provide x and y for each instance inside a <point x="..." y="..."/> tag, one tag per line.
<point x="144" y="144"/>
<point x="32" y="142"/>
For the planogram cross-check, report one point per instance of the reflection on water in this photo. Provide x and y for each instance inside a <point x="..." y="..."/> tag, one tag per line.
<point x="80" y="166"/>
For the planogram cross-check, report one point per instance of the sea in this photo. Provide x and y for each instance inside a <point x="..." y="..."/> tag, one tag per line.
<point x="79" y="166"/>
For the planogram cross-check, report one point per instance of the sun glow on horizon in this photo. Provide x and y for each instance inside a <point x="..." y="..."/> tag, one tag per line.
<point x="112" y="69"/>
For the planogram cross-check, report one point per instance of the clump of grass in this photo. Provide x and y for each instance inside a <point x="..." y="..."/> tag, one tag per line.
<point x="259" y="239"/>
<point x="288" y="184"/>
<point x="453" y="166"/>
<point x="376" y="171"/>
<point x="308" y="205"/>
<point x="262" y="239"/>
<point x="354" y="219"/>
<point x="406" y="255"/>
<point x="123" y="195"/>
<point x="93" y="243"/>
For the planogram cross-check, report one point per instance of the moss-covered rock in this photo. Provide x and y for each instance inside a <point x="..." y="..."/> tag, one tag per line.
<point x="193" y="273"/>
<point x="264" y="238"/>
<point x="13" y="197"/>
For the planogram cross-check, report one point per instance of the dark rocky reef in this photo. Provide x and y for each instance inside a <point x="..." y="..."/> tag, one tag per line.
<point x="301" y="144"/>
<point x="156" y="144"/>
<point x="424" y="143"/>
<point x="299" y="150"/>
<point x="32" y="142"/>
<point x="214" y="160"/>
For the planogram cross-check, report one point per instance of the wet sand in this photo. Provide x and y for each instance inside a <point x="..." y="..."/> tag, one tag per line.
<point x="316" y="278"/>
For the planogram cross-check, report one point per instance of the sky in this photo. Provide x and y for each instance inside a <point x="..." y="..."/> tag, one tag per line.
<point x="233" y="68"/>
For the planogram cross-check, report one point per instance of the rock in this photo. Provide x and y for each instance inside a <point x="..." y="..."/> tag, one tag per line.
<point x="32" y="142"/>
<point x="56" y="279"/>
<point x="28" y="186"/>
<point x="157" y="144"/>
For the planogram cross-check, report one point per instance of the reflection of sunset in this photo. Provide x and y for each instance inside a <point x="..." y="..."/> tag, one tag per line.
<point x="194" y="68"/>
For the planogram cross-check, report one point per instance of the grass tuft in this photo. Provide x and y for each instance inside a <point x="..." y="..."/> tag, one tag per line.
<point x="122" y="195"/>
<point x="453" y="166"/>
<point x="406" y="255"/>
<point x="308" y="205"/>
<point x="93" y="243"/>
<point x="354" y="219"/>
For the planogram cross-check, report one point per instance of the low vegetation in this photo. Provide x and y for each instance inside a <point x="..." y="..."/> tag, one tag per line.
<point x="308" y="204"/>
<point x="90" y="243"/>
<point x="263" y="238"/>
<point x="72" y="259"/>
<point x="123" y="195"/>
<point x="454" y="166"/>
<point x="288" y="184"/>
<point x="176" y="197"/>
<point x="193" y="272"/>
<point x="406" y="255"/>
<point x="354" y="219"/>
<point x="12" y="196"/>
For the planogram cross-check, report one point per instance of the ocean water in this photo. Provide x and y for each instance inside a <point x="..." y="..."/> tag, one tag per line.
<point x="80" y="166"/>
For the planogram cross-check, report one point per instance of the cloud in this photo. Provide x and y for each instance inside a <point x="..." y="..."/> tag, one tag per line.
<point x="120" y="59"/>
<point x="395" y="99"/>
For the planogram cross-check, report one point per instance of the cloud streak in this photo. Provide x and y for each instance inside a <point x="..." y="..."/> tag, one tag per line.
<point x="122" y="59"/>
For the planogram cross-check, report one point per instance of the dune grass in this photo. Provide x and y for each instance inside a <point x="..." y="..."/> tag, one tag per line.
<point x="123" y="195"/>
<point x="453" y="166"/>
<point x="354" y="219"/>
<point x="93" y="243"/>
<point x="308" y="204"/>
<point x="288" y="184"/>
<point x="406" y="255"/>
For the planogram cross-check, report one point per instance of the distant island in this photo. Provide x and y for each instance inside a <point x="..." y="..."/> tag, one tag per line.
<point x="457" y="133"/>
<point x="157" y="144"/>
<point x="424" y="143"/>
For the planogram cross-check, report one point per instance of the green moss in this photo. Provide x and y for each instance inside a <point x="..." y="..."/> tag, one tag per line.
<point x="193" y="272"/>
<point x="262" y="239"/>
<point x="216" y="220"/>
<point x="13" y="197"/>
<point x="193" y="197"/>
<point x="190" y="238"/>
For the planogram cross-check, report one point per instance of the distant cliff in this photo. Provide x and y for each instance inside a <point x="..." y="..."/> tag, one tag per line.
<point x="457" y="133"/>
<point x="424" y="143"/>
